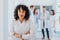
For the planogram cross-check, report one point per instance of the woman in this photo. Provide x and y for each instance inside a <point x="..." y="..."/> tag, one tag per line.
<point x="22" y="27"/>
<point x="35" y="12"/>
<point x="52" y="21"/>
<point x="31" y="13"/>
<point x="36" y="15"/>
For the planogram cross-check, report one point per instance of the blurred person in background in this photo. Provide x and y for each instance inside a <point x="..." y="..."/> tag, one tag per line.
<point x="44" y="17"/>
<point x="52" y="21"/>
<point x="36" y="17"/>
<point x="31" y="12"/>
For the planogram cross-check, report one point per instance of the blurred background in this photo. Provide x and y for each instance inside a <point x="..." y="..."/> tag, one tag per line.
<point x="6" y="14"/>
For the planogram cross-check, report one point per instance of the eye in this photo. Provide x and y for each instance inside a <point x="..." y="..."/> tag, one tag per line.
<point x="19" y="10"/>
<point x="23" y="11"/>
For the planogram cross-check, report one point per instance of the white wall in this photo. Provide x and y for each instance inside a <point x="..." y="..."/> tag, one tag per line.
<point x="1" y="19"/>
<point x="5" y="20"/>
<point x="35" y="2"/>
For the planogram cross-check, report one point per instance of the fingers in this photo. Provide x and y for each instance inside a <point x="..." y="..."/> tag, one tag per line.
<point x="17" y="35"/>
<point x="27" y="33"/>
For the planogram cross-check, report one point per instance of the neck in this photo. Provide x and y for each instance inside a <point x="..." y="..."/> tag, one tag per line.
<point x="43" y="11"/>
<point x="21" y="20"/>
<point x="51" y="14"/>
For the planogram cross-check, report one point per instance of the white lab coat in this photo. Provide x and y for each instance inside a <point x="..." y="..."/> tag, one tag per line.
<point x="36" y="18"/>
<point x="45" y="18"/>
<point x="32" y="16"/>
<point x="52" y="23"/>
<point x="36" y="22"/>
<point x="22" y="28"/>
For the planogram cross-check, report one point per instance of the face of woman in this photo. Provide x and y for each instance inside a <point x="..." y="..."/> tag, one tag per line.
<point x="43" y="9"/>
<point x="51" y="12"/>
<point x="21" y="13"/>
<point x="36" y="11"/>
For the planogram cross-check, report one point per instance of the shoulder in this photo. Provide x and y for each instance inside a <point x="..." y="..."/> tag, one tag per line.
<point x="29" y="21"/>
<point x="14" y="21"/>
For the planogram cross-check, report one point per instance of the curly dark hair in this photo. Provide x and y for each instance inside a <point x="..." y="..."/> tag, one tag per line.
<point x="25" y="8"/>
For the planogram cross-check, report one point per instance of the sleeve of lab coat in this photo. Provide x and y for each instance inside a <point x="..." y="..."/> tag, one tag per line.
<point x="41" y="15"/>
<point x="31" y="35"/>
<point x="48" y="15"/>
<point x="54" y="21"/>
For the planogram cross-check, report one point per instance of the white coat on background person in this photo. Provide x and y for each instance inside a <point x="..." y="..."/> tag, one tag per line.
<point x="52" y="24"/>
<point x="44" y="17"/>
<point x="36" y="15"/>
<point x="36" y="22"/>
<point x="36" y="18"/>
<point x="31" y="15"/>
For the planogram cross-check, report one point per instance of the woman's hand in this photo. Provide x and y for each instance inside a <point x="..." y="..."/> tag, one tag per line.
<point x="17" y="35"/>
<point x="22" y="39"/>
<point x="27" y="33"/>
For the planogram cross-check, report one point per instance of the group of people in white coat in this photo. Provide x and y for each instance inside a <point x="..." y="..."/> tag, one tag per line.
<point x="47" y="20"/>
<point x="23" y="27"/>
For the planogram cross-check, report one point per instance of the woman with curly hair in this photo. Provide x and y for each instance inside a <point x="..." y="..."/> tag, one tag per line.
<point x="22" y="27"/>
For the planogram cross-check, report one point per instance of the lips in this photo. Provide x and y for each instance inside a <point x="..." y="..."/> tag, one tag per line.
<point x="21" y="15"/>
